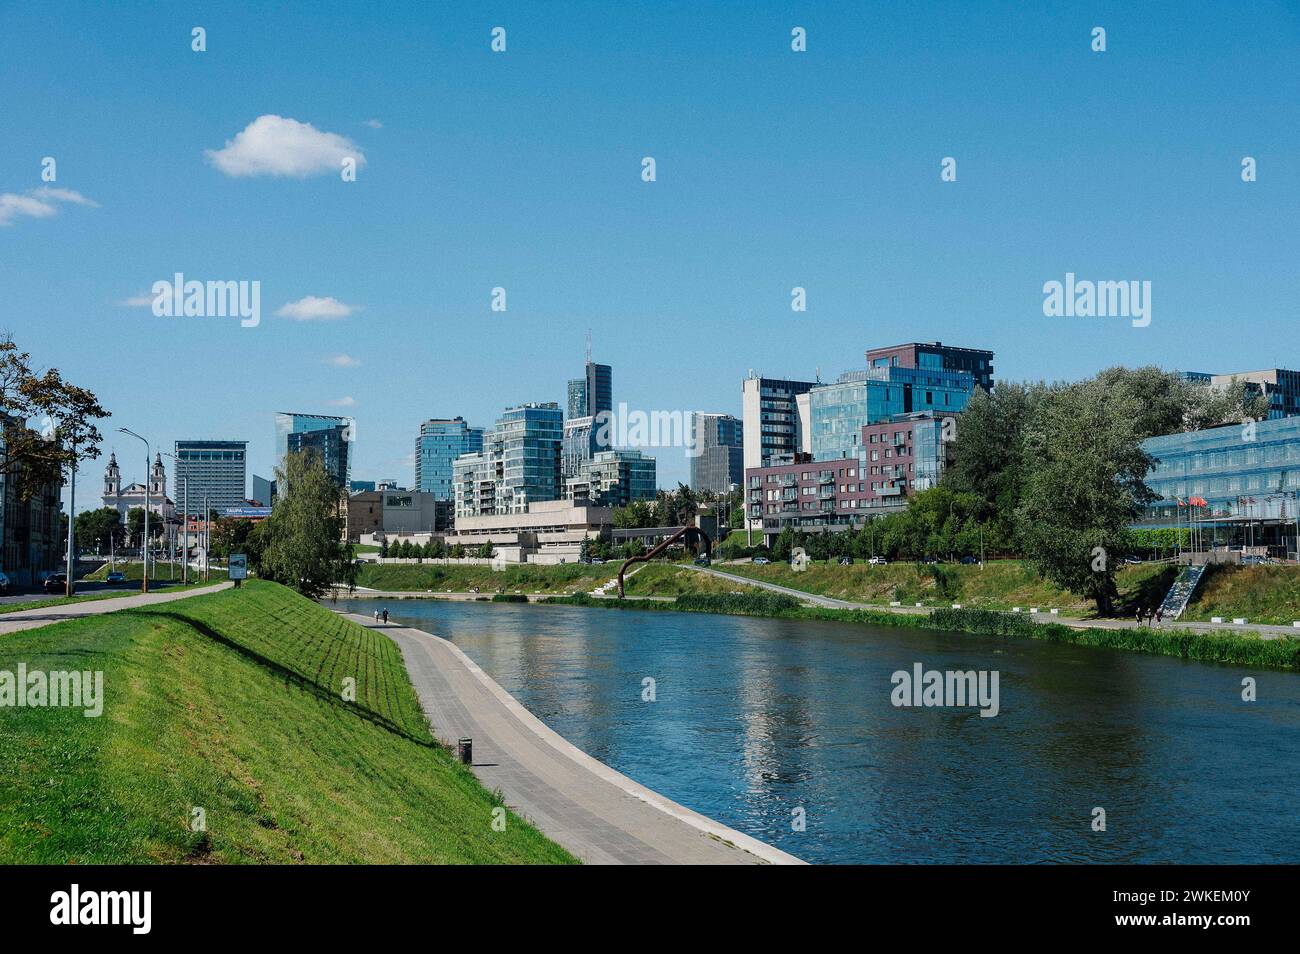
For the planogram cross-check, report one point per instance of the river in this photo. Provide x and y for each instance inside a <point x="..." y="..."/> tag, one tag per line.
<point x="764" y="723"/>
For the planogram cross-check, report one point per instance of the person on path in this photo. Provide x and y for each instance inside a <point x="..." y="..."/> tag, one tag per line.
<point x="385" y="615"/>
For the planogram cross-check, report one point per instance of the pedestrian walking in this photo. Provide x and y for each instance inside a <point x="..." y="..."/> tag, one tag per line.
<point x="1159" y="614"/>
<point x="385" y="615"/>
<point x="376" y="616"/>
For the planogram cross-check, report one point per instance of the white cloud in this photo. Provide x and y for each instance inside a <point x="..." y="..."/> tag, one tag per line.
<point x="343" y="361"/>
<point x="348" y="401"/>
<point x="276" y="146"/>
<point x="314" y="308"/>
<point x="38" y="203"/>
<point x="374" y="124"/>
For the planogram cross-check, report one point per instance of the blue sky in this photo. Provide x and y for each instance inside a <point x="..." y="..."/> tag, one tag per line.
<point x="522" y="170"/>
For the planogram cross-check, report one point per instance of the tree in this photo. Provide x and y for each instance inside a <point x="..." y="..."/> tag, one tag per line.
<point x="100" y="528"/>
<point x="65" y="417"/>
<point x="230" y="535"/>
<point x="1085" y="487"/>
<point x="304" y="547"/>
<point x="484" y="551"/>
<point x="135" y="525"/>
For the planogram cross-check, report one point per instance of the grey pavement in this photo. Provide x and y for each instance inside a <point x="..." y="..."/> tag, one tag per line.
<point x="45" y="616"/>
<point x="599" y="815"/>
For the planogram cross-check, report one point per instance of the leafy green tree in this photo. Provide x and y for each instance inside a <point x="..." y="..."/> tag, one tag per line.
<point x="1085" y="488"/>
<point x="305" y="549"/>
<point x="100" y="528"/>
<point x="484" y="551"/>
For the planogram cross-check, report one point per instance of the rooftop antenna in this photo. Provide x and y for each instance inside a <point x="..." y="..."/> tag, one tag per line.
<point x="589" y="346"/>
<point x="819" y="374"/>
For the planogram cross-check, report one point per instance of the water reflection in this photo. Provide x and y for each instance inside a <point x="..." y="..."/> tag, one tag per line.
<point x="754" y="718"/>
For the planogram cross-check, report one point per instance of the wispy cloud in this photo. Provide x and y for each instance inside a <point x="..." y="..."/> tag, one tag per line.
<point x="343" y="361"/>
<point x="315" y="308"/>
<point x="374" y="124"/>
<point x="276" y="146"/>
<point x="39" y="203"/>
<point x="348" y="401"/>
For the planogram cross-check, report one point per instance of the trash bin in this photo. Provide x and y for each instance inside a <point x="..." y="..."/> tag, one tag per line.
<point x="465" y="751"/>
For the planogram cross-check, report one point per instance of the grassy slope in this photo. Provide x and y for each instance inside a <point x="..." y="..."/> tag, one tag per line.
<point x="1262" y="594"/>
<point x="232" y="702"/>
<point x="1000" y="585"/>
<point x="157" y="571"/>
<point x="670" y="579"/>
<point x="523" y="578"/>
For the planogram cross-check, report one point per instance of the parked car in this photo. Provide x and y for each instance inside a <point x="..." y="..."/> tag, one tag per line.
<point x="878" y="561"/>
<point x="969" y="560"/>
<point x="760" y="561"/>
<point x="5" y="585"/>
<point x="597" y="560"/>
<point x="55" y="582"/>
<point x="703" y="561"/>
<point x="1132" y="561"/>
<point x="846" y="561"/>
<point x="117" y="576"/>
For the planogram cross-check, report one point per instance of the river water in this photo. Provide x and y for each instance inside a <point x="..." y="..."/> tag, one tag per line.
<point x="762" y="723"/>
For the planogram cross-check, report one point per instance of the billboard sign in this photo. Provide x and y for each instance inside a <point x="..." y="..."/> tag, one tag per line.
<point x="238" y="566"/>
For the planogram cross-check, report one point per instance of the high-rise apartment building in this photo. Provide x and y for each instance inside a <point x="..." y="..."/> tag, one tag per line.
<point x="718" y="459"/>
<point x="771" y="413"/>
<point x="613" y="478"/>
<point x="215" y="469"/>
<point x="440" y="442"/>
<point x="329" y="436"/>
<point x="519" y="463"/>
<point x="577" y="399"/>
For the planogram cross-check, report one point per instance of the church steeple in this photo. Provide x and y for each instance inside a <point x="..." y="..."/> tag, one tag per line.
<point x="112" y="477"/>
<point x="157" y="478"/>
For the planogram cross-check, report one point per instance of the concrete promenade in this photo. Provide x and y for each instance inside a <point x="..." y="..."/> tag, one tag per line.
<point x="600" y="815"/>
<point x="1263" y="630"/>
<point x="46" y="615"/>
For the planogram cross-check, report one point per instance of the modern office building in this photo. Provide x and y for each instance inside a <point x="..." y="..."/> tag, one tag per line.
<point x="331" y="437"/>
<point x="358" y="486"/>
<point x="772" y="423"/>
<point x="519" y="463"/>
<point x="577" y="399"/>
<point x="215" y="469"/>
<point x="545" y="532"/>
<point x="936" y="356"/>
<point x="1247" y="474"/>
<point x="263" y="491"/>
<point x="440" y="442"/>
<point x="840" y="410"/>
<point x="578" y="445"/>
<point x="719" y="456"/>
<point x="1280" y="386"/>
<point x="599" y="389"/>
<point x="613" y="478"/>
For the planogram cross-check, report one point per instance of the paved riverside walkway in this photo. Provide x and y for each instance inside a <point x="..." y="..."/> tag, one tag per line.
<point x="598" y="814"/>
<point x="46" y="615"/>
<point x="1262" y="630"/>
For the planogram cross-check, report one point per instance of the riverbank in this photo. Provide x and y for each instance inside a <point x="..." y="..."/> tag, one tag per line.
<point x="246" y="726"/>
<point x="1215" y="646"/>
<point x="598" y="814"/>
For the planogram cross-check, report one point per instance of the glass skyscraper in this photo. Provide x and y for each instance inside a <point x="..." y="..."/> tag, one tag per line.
<point x="440" y="442"/>
<point x="333" y="441"/>
<point x="519" y="463"/>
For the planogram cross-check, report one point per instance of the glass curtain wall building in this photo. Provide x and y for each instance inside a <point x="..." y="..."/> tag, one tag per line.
<point x="334" y="440"/>
<point x="440" y="442"/>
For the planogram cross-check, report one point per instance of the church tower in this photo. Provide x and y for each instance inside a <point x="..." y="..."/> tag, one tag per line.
<point x="112" y="477"/>
<point x="157" y="478"/>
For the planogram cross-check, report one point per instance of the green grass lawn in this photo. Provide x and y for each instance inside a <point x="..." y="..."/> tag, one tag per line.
<point x="1000" y="585"/>
<point x="1262" y="594"/>
<point x="166" y="572"/>
<point x="521" y="578"/>
<point x="672" y="579"/>
<point x="232" y="703"/>
<point x="44" y="601"/>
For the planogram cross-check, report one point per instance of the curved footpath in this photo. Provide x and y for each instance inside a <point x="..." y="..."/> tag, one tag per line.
<point x="598" y="814"/>
<point x="45" y="615"/>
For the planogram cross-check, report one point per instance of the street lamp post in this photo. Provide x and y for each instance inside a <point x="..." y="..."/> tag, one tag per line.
<point x="72" y="519"/>
<point x="144" y="544"/>
<point x="185" y="520"/>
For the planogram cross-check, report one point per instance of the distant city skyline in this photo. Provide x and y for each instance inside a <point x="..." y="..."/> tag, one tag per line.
<point x="775" y="170"/>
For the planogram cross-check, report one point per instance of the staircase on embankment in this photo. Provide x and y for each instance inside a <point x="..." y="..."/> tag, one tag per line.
<point x="1180" y="594"/>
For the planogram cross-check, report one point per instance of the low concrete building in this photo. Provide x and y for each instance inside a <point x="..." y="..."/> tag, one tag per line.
<point x="549" y="531"/>
<point x="393" y="512"/>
